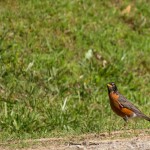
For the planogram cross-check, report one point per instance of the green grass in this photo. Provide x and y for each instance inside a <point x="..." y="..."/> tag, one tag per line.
<point x="50" y="83"/>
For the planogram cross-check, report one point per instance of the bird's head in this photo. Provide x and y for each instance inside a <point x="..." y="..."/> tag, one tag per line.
<point x="112" y="87"/>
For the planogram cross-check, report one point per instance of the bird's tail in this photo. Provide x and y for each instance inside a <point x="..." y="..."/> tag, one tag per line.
<point x="145" y="117"/>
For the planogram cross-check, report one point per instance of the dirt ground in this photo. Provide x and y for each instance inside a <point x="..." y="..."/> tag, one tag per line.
<point x="124" y="140"/>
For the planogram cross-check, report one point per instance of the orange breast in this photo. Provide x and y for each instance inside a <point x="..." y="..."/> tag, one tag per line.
<point x="127" y="111"/>
<point x="116" y="106"/>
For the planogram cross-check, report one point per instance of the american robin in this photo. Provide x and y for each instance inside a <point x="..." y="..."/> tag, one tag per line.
<point x="121" y="106"/>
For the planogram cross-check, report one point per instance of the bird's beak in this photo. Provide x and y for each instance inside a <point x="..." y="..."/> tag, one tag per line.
<point x="109" y="85"/>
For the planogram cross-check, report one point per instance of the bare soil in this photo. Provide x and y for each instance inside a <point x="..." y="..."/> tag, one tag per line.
<point x="119" y="140"/>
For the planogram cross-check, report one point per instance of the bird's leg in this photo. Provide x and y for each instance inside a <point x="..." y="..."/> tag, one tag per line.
<point x="126" y="120"/>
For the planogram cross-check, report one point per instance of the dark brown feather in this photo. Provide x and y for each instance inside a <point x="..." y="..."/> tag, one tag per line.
<point x="127" y="104"/>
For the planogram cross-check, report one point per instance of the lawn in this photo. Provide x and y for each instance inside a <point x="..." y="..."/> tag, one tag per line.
<point x="58" y="56"/>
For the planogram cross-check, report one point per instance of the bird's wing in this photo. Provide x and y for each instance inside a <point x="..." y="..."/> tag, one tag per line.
<point x="127" y="104"/>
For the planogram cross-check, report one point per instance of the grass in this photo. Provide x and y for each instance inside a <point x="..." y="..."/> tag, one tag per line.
<point x="56" y="59"/>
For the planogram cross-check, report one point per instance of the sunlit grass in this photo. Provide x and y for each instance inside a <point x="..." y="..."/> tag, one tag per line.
<point x="56" y="59"/>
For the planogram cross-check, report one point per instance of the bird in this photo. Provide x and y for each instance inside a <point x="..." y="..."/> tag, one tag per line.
<point x="122" y="106"/>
